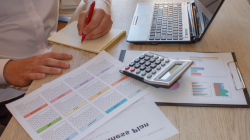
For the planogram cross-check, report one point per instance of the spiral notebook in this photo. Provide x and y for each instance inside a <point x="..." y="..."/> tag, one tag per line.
<point x="69" y="37"/>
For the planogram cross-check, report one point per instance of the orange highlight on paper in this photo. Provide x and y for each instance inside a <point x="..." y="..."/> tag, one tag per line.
<point x="123" y="78"/>
<point x="33" y="112"/>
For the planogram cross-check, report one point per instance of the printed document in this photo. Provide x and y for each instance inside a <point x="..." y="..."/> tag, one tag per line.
<point x="207" y="81"/>
<point x="141" y="121"/>
<point x="75" y="104"/>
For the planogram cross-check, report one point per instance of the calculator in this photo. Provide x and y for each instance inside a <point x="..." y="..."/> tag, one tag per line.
<point x="156" y="70"/>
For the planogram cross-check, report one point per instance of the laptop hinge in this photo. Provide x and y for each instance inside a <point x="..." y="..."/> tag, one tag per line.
<point x="194" y="29"/>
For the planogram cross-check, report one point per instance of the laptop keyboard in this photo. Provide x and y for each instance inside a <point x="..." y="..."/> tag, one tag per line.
<point x="167" y="22"/>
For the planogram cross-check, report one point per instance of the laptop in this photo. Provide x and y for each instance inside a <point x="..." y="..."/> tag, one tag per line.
<point x="182" y="22"/>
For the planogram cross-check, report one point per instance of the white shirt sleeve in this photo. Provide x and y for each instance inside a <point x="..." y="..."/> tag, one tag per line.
<point x="2" y="64"/>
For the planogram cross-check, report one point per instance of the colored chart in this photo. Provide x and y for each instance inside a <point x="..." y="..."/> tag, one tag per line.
<point x="207" y="66"/>
<point x="220" y="90"/>
<point x="175" y="86"/>
<point x="200" y="89"/>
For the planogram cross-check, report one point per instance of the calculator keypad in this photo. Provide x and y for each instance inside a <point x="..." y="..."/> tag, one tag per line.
<point x="147" y="65"/>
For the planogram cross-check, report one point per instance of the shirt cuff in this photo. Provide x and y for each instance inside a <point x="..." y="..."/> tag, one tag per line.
<point x="2" y="64"/>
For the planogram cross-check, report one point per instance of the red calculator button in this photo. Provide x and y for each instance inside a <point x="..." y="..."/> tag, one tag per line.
<point x="127" y="67"/>
<point x="132" y="69"/>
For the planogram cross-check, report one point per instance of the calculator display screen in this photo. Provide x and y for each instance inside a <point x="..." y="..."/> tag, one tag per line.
<point x="172" y="70"/>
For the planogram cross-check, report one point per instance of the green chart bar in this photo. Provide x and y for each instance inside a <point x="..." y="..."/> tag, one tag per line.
<point x="48" y="125"/>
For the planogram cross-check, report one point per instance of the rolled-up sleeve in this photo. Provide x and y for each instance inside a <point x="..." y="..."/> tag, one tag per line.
<point x="2" y="64"/>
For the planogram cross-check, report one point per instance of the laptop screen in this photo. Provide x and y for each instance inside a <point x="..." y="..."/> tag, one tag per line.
<point x="206" y="9"/>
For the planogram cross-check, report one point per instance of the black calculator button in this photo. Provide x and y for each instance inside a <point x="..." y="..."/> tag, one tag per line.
<point x="131" y="64"/>
<point x="146" y="58"/>
<point x="148" y="69"/>
<point x="142" y="68"/>
<point x="157" y="62"/>
<point x="142" y="61"/>
<point x="152" y="65"/>
<point x="152" y="60"/>
<point x="147" y="63"/>
<point x="142" y="56"/>
<point x="136" y="60"/>
<point x="137" y="66"/>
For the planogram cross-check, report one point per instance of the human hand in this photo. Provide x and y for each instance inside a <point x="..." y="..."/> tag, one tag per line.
<point x="99" y="25"/>
<point x="22" y="72"/>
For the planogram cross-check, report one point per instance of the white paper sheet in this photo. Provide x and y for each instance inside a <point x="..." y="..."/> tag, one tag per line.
<point x="208" y="81"/>
<point x="141" y="121"/>
<point x="75" y="104"/>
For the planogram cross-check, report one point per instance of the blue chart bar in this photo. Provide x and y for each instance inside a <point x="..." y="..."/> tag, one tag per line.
<point x="92" y="122"/>
<point x="197" y="68"/>
<point x="115" y="106"/>
<point x="72" y="136"/>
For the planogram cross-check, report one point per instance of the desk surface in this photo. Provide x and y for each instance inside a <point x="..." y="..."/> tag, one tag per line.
<point x="229" y="32"/>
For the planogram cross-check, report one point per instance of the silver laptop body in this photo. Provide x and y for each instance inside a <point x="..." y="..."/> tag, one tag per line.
<point x="183" y="22"/>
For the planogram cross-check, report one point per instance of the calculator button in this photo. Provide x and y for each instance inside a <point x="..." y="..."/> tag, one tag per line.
<point x="146" y="58"/>
<point x="136" y="60"/>
<point x="127" y="67"/>
<point x="153" y="72"/>
<point x="157" y="62"/>
<point x="152" y="65"/>
<point x="161" y="58"/>
<point x="156" y="57"/>
<point x="147" y="63"/>
<point x="149" y="75"/>
<point x="166" y="60"/>
<point x="142" y="61"/>
<point x="137" y="71"/>
<point x="149" y="54"/>
<point x="152" y="60"/>
<point x="142" y="68"/>
<point x="158" y="67"/>
<point x="148" y="69"/>
<point x="132" y="69"/>
<point x="142" y="56"/>
<point x="131" y="64"/>
<point x="143" y="73"/>
<point x="137" y="66"/>
<point x="163" y="63"/>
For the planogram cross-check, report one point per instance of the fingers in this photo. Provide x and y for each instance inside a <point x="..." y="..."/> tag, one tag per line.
<point x="36" y="76"/>
<point x="59" y="56"/>
<point x="47" y="70"/>
<point x="105" y="23"/>
<point x="95" y="21"/>
<point x="105" y="31"/>
<point x="54" y="63"/>
<point x="81" y="22"/>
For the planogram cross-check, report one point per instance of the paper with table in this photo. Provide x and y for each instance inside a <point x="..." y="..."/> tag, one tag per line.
<point x="208" y="81"/>
<point x="75" y="104"/>
<point x="69" y="37"/>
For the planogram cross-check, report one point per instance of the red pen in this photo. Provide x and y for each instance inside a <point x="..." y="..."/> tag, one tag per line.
<point x="91" y="10"/>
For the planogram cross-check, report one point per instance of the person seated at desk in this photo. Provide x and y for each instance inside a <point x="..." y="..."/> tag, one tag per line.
<point x="25" y="55"/>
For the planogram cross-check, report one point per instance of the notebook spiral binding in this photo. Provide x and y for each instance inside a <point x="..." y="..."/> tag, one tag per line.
<point x="239" y="74"/>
